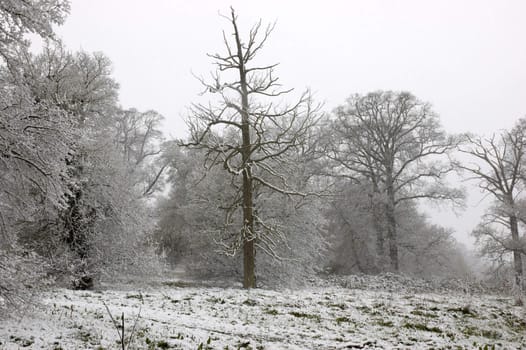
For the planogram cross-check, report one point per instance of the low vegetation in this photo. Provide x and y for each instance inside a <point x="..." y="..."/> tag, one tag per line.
<point x="325" y="317"/>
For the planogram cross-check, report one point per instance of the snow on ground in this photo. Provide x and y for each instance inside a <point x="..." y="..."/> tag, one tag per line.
<point x="175" y="315"/>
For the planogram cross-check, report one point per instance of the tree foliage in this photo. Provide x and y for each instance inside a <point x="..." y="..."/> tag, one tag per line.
<point x="34" y="137"/>
<point x="71" y="203"/>
<point x="19" y="17"/>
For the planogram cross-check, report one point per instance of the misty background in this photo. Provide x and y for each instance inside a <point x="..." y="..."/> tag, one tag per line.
<point x="466" y="58"/>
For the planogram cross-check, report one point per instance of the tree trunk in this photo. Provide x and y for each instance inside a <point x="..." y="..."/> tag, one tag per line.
<point x="379" y="230"/>
<point x="380" y="249"/>
<point x="249" y="275"/>
<point x="391" y="229"/>
<point x="249" y="254"/>
<point x="517" y="258"/>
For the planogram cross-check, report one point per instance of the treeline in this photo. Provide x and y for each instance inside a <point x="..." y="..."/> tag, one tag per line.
<point x="273" y="188"/>
<point x="267" y="189"/>
<point x="76" y="169"/>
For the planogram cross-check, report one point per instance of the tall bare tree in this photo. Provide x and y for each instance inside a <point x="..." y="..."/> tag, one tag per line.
<point x="393" y="142"/>
<point x="248" y="132"/>
<point x="498" y="166"/>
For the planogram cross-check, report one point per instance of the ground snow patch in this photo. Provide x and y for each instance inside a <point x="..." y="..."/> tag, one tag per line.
<point x="222" y="318"/>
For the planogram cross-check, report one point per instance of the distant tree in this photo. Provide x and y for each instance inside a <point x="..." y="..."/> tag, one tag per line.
<point x="141" y="143"/>
<point x="498" y="166"/>
<point x="247" y="137"/>
<point x="351" y="230"/>
<point x="428" y="249"/>
<point x="393" y="143"/>
<point x="424" y="249"/>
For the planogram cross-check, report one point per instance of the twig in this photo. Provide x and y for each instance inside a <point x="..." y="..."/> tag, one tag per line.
<point x="120" y="333"/>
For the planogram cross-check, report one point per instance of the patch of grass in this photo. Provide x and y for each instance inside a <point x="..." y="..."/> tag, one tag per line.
<point x="502" y="300"/>
<point x="304" y="315"/>
<point x="244" y="345"/>
<point x="23" y="342"/>
<point x="465" y="310"/>
<point x="250" y="302"/>
<point x="338" y="306"/>
<point x="215" y="300"/>
<point x="343" y="319"/>
<point x="273" y="312"/>
<point x="487" y="347"/>
<point x="86" y="337"/>
<point x="179" y="284"/>
<point x="161" y="344"/>
<point x="422" y="327"/>
<point x="205" y="346"/>
<point x="422" y="313"/>
<point x="514" y="323"/>
<point x="486" y="333"/>
<point x="143" y="332"/>
<point x="491" y="334"/>
<point x="384" y="323"/>
<point x="135" y="296"/>
<point x="364" y="308"/>
<point x="451" y="336"/>
<point x="179" y="336"/>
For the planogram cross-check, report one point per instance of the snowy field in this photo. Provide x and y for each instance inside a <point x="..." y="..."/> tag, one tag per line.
<point x="175" y="315"/>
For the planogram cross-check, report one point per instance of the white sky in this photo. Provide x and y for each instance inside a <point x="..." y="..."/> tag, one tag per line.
<point x="468" y="58"/>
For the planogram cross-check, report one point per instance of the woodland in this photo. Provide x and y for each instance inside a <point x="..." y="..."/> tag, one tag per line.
<point x="270" y="189"/>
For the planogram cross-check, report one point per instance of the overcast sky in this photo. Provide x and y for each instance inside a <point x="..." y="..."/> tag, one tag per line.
<point x="468" y="58"/>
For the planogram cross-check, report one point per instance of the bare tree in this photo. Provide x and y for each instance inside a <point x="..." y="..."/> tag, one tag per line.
<point x="498" y="166"/>
<point x="393" y="142"/>
<point x="139" y="136"/>
<point x="247" y="132"/>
